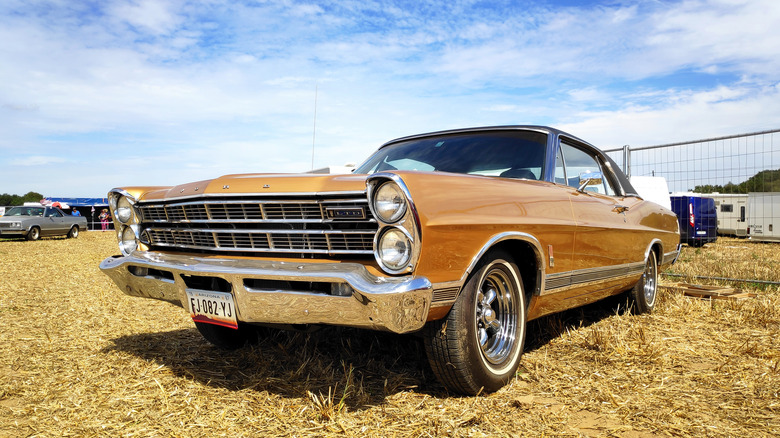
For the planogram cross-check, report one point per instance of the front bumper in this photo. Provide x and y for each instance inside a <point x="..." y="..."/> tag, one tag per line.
<point x="271" y="292"/>
<point x="13" y="233"/>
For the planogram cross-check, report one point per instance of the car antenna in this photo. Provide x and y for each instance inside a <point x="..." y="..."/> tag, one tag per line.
<point x="314" y="129"/>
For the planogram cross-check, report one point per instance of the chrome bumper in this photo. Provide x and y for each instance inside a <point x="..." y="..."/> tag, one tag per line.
<point x="360" y="299"/>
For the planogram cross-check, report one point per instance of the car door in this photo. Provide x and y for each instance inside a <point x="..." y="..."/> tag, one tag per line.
<point x="606" y="242"/>
<point x="53" y="223"/>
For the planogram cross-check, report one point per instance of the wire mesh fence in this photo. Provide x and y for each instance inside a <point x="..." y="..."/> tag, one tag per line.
<point x="740" y="172"/>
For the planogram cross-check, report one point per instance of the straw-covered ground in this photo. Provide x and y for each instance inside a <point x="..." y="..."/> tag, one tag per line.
<point x="79" y="358"/>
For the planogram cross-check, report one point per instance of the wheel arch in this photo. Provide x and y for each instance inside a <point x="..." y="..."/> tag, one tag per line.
<point x="657" y="247"/>
<point x="528" y="256"/>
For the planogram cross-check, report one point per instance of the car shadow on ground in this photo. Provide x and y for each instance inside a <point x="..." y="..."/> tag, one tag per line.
<point x="363" y="367"/>
<point x="542" y="330"/>
<point x="367" y="366"/>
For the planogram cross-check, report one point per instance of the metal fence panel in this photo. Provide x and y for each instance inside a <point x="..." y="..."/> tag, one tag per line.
<point x="744" y="163"/>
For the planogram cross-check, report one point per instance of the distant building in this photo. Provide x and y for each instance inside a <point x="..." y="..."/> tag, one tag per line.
<point x="338" y="170"/>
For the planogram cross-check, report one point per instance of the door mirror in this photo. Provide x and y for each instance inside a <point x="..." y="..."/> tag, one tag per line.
<point x="589" y="179"/>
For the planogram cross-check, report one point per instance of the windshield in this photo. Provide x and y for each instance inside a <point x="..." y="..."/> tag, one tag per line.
<point x="509" y="154"/>
<point x="25" y="211"/>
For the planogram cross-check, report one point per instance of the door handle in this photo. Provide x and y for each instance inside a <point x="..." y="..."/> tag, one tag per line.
<point x="620" y="208"/>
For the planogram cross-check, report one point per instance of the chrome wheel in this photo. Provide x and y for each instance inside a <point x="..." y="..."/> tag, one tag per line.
<point x="496" y="316"/>
<point x="34" y="233"/>
<point x="477" y="347"/>
<point x="650" y="280"/>
<point x="645" y="293"/>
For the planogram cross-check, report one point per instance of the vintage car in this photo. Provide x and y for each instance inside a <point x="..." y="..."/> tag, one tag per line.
<point x="33" y="222"/>
<point x="461" y="236"/>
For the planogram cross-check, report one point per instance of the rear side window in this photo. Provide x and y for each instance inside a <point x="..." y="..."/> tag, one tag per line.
<point x="571" y="163"/>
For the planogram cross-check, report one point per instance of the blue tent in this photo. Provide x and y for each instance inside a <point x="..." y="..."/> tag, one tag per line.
<point x="89" y="207"/>
<point x="82" y="202"/>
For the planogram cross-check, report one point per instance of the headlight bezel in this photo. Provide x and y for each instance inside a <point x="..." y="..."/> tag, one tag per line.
<point x="404" y="263"/>
<point x="407" y="222"/>
<point x="126" y="220"/>
<point x="398" y="212"/>
<point x="128" y="245"/>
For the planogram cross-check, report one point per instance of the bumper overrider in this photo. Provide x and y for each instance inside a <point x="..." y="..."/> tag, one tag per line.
<point x="275" y="292"/>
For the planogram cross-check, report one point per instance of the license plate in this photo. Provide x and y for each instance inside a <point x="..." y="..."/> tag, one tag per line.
<point x="701" y="233"/>
<point x="212" y="308"/>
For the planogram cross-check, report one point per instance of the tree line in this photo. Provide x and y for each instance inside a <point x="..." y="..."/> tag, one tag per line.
<point x="764" y="181"/>
<point x="11" y="200"/>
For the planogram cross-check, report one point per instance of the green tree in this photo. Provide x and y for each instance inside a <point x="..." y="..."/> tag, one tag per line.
<point x="32" y="197"/>
<point x="764" y="181"/>
<point x="8" y="200"/>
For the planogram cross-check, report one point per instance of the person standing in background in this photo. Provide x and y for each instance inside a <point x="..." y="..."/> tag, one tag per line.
<point x="104" y="219"/>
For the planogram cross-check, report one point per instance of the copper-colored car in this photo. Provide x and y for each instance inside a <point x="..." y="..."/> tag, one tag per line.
<point x="462" y="235"/>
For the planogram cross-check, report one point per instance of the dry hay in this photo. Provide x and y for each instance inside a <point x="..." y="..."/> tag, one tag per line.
<point x="79" y="358"/>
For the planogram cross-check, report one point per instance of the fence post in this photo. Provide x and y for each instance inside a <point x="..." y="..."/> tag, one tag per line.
<point x="627" y="160"/>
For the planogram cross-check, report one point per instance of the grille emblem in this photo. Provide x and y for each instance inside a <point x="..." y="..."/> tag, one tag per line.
<point x="346" y="213"/>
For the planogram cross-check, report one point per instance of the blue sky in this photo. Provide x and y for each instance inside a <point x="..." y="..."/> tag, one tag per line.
<point x="106" y="93"/>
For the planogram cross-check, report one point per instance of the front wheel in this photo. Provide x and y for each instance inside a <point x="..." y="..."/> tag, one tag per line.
<point x="74" y="232"/>
<point x="645" y="293"/>
<point x="34" y="233"/>
<point x="477" y="347"/>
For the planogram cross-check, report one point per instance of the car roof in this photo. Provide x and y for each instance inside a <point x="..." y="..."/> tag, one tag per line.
<point x="623" y="181"/>
<point x="537" y="128"/>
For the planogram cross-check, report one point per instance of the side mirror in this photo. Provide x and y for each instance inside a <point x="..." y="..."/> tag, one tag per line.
<point x="589" y="179"/>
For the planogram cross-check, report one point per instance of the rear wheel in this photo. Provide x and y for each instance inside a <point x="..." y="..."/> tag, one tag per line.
<point x="74" y="232"/>
<point x="477" y="347"/>
<point x="227" y="338"/>
<point x="644" y="295"/>
<point x="34" y="233"/>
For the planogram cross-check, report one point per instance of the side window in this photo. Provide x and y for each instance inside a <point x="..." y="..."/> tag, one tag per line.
<point x="578" y="163"/>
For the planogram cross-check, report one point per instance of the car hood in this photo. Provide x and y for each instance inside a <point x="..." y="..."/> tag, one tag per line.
<point x="15" y="218"/>
<point x="256" y="183"/>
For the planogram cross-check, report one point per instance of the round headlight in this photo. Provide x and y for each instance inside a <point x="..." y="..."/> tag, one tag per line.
<point x="389" y="202"/>
<point x="124" y="210"/>
<point x="394" y="249"/>
<point x="127" y="241"/>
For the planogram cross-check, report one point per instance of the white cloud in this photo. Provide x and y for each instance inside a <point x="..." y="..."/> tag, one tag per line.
<point x="37" y="160"/>
<point x="156" y="17"/>
<point x="177" y="90"/>
<point x="723" y="111"/>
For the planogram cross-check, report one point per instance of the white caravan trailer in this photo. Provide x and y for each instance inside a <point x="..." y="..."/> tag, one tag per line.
<point x="764" y="216"/>
<point x="732" y="213"/>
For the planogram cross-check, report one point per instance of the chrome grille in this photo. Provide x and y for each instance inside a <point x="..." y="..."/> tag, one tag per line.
<point x="303" y="241"/>
<point x="309" y="226"/>
<point x="245" y="211"/>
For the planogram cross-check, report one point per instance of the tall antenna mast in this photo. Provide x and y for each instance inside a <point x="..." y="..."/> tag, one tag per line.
<point x="314" y="130"/>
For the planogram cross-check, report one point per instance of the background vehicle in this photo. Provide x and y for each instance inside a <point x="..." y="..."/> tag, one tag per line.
<point x="460" y="235"/>
<point x="653" y="188"/>
<point x="764" y="214"/>
<point x="697" y="218"/>
<point x="732" y="213"/>
<point x="34" y="222"/>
